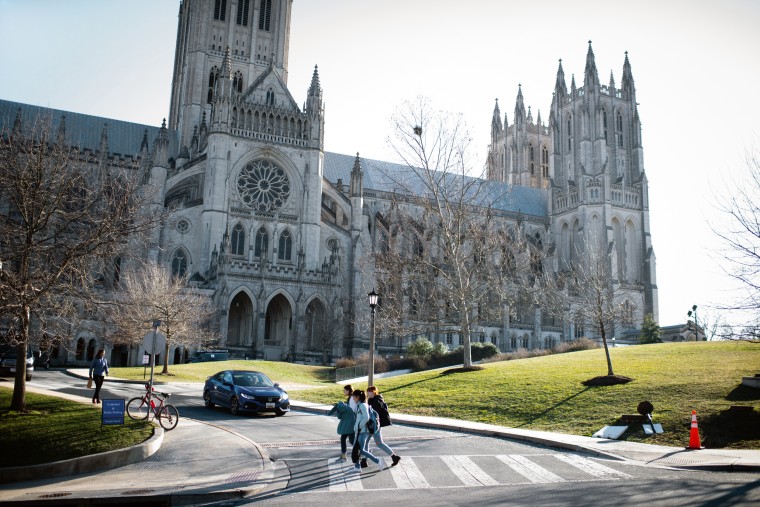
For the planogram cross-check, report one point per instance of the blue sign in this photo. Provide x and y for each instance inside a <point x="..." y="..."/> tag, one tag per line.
<point x="113" y="412"/>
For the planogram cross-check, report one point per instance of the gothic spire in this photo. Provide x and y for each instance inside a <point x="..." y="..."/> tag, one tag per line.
<point x="591" y="76"/>
<point x="496" y="125"/>
<point x="17" y="122"/>
<point x="357" y="177"/>
<point x="519" y="106"/>
<point x="629" y="90"/>
<point x="573" y="88"/>
<point x="530" y="116"/>
<point x="226" y="70"/>
<point x="315" y="89"/>
<point x="560" y="89"/>
<point x="144" y="144"/>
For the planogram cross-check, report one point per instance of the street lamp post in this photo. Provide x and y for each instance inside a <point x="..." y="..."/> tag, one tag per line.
<point x="696" y="326"/>
<point x="372" y="304"/>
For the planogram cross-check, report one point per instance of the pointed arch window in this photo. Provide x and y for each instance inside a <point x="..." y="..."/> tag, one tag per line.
<point x="604" y="124"/>
<point x="262" y="243"/>
<point x="242" y="13"/>
<point x="285" y="246"/>
<point x="238" y="240"/>
<point x="532" y="158"/>
<point x="265" y="14"/>
<point x="220" y="8"/>
<point x="179" y="263"/>
<point x="237" y="82"/>
<point x="270" y="97"/>
<point x="619" y="128"/>
<point x="544" y="162"/>
<point x="213" y="76"/>
<point x="569" y="133"/>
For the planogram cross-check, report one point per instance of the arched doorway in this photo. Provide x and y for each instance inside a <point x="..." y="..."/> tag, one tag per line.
<point x="91" y="349"/>
<point x="177" y="355"/>
<point x="321" y="332"/>
<point x="240" y="321"/>
<point x="119" y="356"/>
<point x="278" y="326"/>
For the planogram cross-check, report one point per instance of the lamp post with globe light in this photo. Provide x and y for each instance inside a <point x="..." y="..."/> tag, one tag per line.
<point x="696" y="326"/>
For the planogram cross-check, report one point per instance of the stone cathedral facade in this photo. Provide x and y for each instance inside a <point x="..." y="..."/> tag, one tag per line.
<point x="274" y="229"/>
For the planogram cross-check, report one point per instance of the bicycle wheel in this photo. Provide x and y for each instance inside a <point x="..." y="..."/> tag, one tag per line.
<point x="168" y="417"/>
<point x="138" y="409"/>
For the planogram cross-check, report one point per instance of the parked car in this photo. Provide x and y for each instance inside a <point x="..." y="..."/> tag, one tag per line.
<point x="209" y="355"/>
<point x="8" y="362"/>
<point x="245" y="391"/>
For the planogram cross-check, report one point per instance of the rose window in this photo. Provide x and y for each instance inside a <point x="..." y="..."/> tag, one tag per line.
<point x="263" y="186"/>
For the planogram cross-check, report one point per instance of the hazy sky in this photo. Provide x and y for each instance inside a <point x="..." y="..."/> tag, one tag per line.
<point x="695" y="66"/>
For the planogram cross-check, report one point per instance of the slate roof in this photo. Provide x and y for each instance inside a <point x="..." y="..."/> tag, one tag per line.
<point x="125" y="138"/>
<point x="388" y="176"/>
<point x="84" y="130"/>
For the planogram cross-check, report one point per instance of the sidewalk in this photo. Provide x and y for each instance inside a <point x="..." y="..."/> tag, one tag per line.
<point x="187" y="469"/>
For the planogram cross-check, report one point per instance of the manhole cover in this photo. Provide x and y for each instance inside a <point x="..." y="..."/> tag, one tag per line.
<point x="244" y="477"/>
<point x="54" y="495"/>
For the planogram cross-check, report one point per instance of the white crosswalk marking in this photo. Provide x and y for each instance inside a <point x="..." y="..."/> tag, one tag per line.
<point x="528" y="469"/>
<point x="344" y="477"/>
<point x="406" y="475"/>
<point x="468" y="472"/>
<point x="591" y="467"/>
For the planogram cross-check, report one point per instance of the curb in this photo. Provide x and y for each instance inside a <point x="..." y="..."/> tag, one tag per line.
<point x="115" y="380"/>
<point x="86" y="464"/>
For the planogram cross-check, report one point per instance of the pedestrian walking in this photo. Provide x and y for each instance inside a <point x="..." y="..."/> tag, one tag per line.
<point x="376" y="401"/>
<point x="98" y="371"/>
<point x="360" y="428"/>
<point x="346" y="413"/>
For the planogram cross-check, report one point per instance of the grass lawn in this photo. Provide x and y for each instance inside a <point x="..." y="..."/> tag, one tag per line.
<point x="55" y="429"/>
<point x="545" y="393"/>
<point x="198" y="372"/>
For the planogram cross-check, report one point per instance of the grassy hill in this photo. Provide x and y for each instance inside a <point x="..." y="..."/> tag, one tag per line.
<point x="198" y="372"/>
<point x="545" y="393"/>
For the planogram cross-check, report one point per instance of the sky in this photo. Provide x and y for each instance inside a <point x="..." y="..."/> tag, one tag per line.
<point x="695" y="67"/>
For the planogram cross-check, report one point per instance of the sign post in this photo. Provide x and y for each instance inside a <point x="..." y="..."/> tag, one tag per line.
<point x="151" y="342"/>
<point x="113" y="412"/>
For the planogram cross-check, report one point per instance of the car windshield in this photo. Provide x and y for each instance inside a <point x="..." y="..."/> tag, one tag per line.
<point x="252" y="380"/>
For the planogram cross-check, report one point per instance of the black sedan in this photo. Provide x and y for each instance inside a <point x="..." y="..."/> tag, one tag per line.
<point x="245" y="391"/>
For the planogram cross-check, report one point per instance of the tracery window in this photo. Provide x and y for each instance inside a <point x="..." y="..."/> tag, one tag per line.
<point x="620" y="129"/>
<point x="262" y="243"/>
<point x="237" y="82"/>
<point x="263" y="186"/>
<point x="265" y="14"/>
<point x="242" y="13"/>
<point x="285" y="246"/>
<point x="220" y="8"/>
<point x="179" y="263"/>
<point x="238" y="240"/>
<point x="545" y="162"/>
<point x="212" y="78"/>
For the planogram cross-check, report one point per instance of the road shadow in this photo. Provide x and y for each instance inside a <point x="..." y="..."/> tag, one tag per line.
<point x="553" y="407"/>
<point x="743" y="393"/>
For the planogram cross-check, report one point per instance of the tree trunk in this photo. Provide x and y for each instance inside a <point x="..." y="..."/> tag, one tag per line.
<point x="467" y="350"/>
<point x="606" y="349"/>
<point x="165" y="371"/>
<point x="18" y="402"/>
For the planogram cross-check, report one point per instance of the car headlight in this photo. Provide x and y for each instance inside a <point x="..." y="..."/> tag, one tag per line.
<point x="284" y="396"/>
<point x="246" y="396"/>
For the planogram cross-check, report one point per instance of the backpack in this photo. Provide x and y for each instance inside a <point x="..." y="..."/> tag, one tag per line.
<point x="382" y="411"/>
<point x="372" y="423"/>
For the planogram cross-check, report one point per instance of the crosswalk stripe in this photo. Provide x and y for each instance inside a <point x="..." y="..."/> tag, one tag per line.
<point x="406" y="475"/>
<point x="591" y="467"/>
<point x="344" y="477"/>
<point x="468" y="472"/>
<point x="528" y="469"/>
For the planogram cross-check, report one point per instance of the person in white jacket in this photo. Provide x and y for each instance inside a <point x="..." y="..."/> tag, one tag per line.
<point x="360" y="428"/>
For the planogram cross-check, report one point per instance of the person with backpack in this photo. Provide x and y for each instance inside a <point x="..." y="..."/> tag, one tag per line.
<point x="366" y="420"/>
<point x="346" y="413"/>
<point x="376" y="401"/>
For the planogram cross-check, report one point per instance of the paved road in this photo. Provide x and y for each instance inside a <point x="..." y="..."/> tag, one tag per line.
<point x="440" y="467"/>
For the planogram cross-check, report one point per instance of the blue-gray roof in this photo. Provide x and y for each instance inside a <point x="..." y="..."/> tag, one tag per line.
<point x="84" y="130"/>
<point x="391" y="177"/>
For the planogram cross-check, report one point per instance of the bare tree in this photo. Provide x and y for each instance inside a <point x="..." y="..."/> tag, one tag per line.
<point x="447" y="256"/>
<point x="589" y="292"/>
<point x="64" y="215"/>
<point x="324" y="330"/>
<point x="740" y="238"/>
<point x="150" y="292"/>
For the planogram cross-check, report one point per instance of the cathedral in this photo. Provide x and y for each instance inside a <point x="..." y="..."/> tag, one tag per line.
<point x="273" y="229"/>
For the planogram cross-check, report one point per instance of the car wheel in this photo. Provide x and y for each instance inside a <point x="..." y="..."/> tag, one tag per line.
<point x="279" y="412"/>
<point x="207" y="400"/>
<point x="234" y="406"/>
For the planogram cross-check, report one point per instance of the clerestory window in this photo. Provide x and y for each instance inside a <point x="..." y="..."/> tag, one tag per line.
<point x="265" y="14"/>
<point x="242" y="13"/>
<point x="220" y="8"/>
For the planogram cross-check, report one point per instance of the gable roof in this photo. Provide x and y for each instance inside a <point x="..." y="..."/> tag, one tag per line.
<point x="281" y="87"/>
<point x="389" y="177"/>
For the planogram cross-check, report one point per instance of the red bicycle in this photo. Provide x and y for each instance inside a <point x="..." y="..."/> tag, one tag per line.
<point x="141" y="407"/>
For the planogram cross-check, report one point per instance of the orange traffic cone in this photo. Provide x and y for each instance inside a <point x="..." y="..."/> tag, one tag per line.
<point x="694" y="442"/>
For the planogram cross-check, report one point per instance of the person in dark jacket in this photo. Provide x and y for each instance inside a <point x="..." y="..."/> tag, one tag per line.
<point x="346" y="412"/>
<point x="376" y="401"/>
<point x="98" y="372"/>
